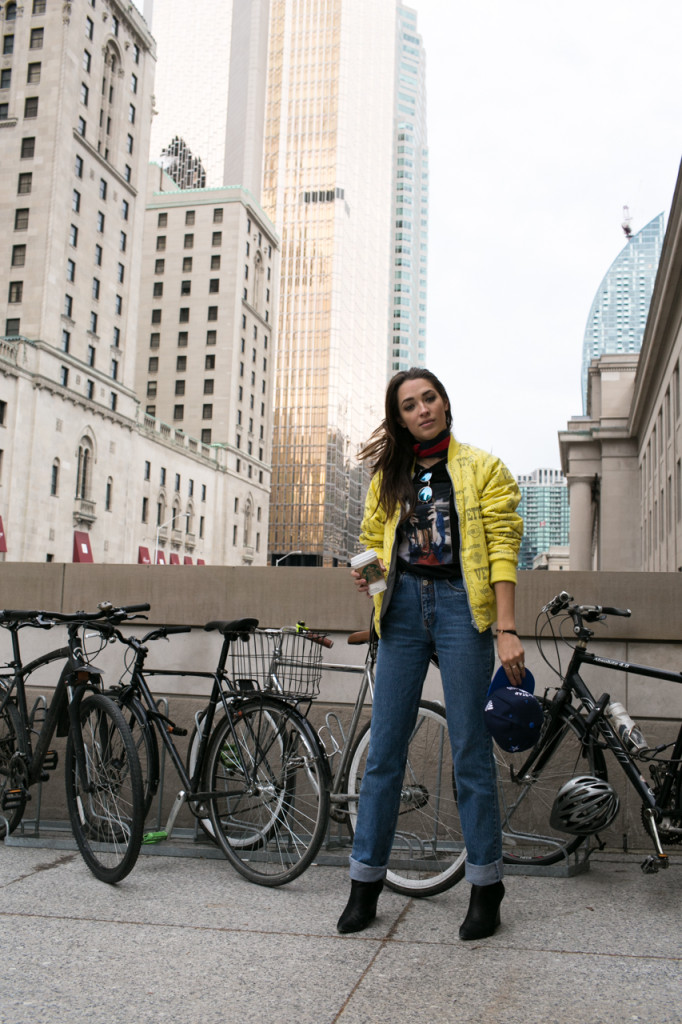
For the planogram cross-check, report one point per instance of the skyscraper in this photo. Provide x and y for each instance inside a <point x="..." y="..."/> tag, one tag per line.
<point x="407" y="330"/>
<point x="193" y="42"/>
<point x="328" y="188"/>
<point x="545" y="513"/>
<point x="619" y="311"/>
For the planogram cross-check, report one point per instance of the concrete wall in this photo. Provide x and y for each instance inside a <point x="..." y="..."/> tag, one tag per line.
<point x="326" y="599"/>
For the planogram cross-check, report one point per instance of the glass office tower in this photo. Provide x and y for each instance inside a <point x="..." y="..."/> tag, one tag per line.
<point x="407" y="330"/>
<point x="328" y="188"/>
<point x="545" y="512"/>
<point x="619" y="312"/>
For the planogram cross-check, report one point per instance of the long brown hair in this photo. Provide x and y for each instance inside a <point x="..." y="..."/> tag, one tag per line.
<point x="389" y="449"/>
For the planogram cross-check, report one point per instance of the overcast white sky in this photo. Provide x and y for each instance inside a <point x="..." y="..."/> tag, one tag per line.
<point x="545" y="119"/>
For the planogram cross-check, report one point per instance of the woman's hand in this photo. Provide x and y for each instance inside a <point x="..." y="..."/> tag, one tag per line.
<point x="361" y="583"/>
<point x="511" y="655"/>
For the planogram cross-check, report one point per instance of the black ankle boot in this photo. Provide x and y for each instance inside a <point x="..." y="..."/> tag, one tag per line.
<point x="483" y="915"/>
<point x="361" y="908"/>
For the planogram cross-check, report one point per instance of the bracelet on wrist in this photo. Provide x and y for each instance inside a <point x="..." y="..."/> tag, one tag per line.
<point x="512" y="631"/>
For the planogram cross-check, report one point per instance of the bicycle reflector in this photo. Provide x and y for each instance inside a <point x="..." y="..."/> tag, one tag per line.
<point x="584" y="805"/>
<point x="513" y="717"/>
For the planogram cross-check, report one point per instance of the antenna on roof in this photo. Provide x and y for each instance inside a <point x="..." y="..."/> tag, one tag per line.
<point x="627" y="220"/>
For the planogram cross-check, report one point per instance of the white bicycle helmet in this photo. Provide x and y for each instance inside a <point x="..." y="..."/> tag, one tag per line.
<point x="584" y="805"/>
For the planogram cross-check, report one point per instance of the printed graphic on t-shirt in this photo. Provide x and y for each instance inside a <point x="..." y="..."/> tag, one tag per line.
<point x="427" y="533"/>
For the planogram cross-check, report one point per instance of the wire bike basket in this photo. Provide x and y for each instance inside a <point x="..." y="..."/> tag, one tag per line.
<point x="285" y="661"/>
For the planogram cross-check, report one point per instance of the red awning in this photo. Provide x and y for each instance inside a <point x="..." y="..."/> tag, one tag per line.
<point x="187" y="560"/>
<point x="143" y="557"/>
<point x="3" y="539"/>
<point x="82" y="552"/>
<point x="200" y="561"/>
<point x="174" y="559"/>
<point x="160" y="558"/>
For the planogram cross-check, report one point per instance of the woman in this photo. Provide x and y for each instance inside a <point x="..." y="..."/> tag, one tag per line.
<point x="441" y="516"/>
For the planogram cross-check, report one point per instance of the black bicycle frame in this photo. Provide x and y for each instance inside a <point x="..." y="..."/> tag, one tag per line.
<point x="574" y="684"/>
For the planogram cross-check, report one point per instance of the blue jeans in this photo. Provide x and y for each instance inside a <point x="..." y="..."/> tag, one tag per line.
<point x="427" y="615"/>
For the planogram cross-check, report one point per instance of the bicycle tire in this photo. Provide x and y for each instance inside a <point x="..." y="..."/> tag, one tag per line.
<point x="269" y="782"/>
<point x="107" y="808"/>
<point x="10" y="731"/>
<point x="525" y="805"/>
<point x="428" y="852"/>
<point x="146" y="745"/>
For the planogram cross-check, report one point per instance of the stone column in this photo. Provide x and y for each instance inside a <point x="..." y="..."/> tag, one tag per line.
<point x="580" y="534"/>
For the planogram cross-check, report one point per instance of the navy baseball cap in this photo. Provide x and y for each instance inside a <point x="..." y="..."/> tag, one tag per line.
<point x="501" y="679"/>
<point x="514" y="718"/>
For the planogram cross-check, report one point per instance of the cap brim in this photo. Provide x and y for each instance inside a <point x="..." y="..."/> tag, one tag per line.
<point x="500" y="679"/>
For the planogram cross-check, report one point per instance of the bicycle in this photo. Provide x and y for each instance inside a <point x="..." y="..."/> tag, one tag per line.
<point x="255" y="776"/>
<point x="102" y="774"/>
<point x="428" y="850"/>
<point x="575" y="734"/>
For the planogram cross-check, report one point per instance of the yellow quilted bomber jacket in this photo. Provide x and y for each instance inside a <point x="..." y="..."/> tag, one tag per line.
<point x="490" y="530"/>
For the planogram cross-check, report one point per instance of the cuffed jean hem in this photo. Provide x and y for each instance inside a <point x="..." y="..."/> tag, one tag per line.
<point x="483" y="874"/>
<point x="360" y="872"/>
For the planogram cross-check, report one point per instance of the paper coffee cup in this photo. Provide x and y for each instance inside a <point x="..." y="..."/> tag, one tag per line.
<point x="367" y="565"/>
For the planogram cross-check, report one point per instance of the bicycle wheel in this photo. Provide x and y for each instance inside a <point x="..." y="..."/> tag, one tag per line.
<point x="526" y="802"/>
<point x="10" y="731"/>
<point x="270" y="790"/>
<point x="146" y="744"/>
<point x="428" y="851"/>
<point x="106" y="801"/>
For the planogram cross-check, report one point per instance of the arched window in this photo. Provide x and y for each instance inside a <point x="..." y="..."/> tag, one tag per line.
<point x="175" y="525"/>
<point x="11" y="12"/>
<point x="84" y="469"/>
<point x="108" y="494"/>
<point x="189" y="518"/>
<point x="54" y="478"/>
<point x="248" y="519"/>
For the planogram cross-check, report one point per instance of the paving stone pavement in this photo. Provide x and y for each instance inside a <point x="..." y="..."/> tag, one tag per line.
<point x="185" y="939"/>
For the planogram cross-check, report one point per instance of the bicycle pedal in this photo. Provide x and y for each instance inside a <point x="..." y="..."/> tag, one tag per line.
<point x="12" y="798"/>
<point x="650" y="865"/>
<point x="149" y="838"/>
<point x="50" y="761"/>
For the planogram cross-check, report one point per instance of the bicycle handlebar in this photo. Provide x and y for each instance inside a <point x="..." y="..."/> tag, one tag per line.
<point x="562" y="603"/>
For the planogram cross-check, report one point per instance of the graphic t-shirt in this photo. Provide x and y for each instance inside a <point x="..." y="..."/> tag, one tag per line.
<point x="428" y="540"/>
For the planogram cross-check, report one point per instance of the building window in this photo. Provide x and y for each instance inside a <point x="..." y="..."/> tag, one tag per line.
<point x="73" y="236"/>
<point x="130" y="142"/>
<point x="185" y="287"/>
<point x="215" y="262"/>
<point x="8" y="45"/>
<point x="100" y="222"/>
<point x="209" y="362"/>
<point x="183" y="338"/>
<point x="211" y="337"/>
<point x="93" y="322"/>
<point x="5" y="78"/>
<point x="208" y="387"/>
<point x="16" y="290"/>
<point x="212" y="312"/>
<point x="83" y="469"/>
<point x="159" y="266"/>
<point x="89" y="28"/>
<point x="153" y="365"/>
<point x="66" y="341"/>
<point x="114" y="369"/>
<point x="156" y="316"/>
<point x="179" y="387"/>
<point x="157" y="290"/>
<point x="120" y="273"/>
<point x="181" y="364"/>
<point x="90" y="389"/>
<point x="78" y="167"/>
<point x="133" y="83"/>
<point x="82" y="127"/>
<point x="206" y="435"/>
<point x="117" y="337"/>
<point x="145" y="509"/>
<point x="131" y="113"/>
<point x="178" y="412"/>
<point x="118" y="305"/>
<point x="54" y="479"/>
<point x="123" y="241"/>
<point x="21" y="220"/>
<point x="85" y="94"/>
<point x="187" y="265"/>
<point x="160" y="243"/>
<point x="154" y="340"/>
<point x="87" y="61"/>
<point x="18" y="255"/>
<point x="102" y="188"/>
<point x="64" y="376"/>
<point x="218" y="216"/>
<point x="31" y="108"/>
<point x="214" y="285"/>
<point x="108" y="494"/>
<point x="217" y="238"/>
<point x="37" y="37"/>
<point x="95" y="288"/>
<point x="68" y="305"/>
<point x="151" y="389"/>
<point x="125" y="207"/>
<point x="189" y="217"/>
<point x="207" y="412"/>
<point x="162" y="220"/>
<point x="98" y="255"/>
<point x="189" y="242"/>
<point x="147" y="470"/>
<point x="183" y="317"/>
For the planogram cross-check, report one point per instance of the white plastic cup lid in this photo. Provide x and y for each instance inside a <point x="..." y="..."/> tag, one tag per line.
<point x="363" y="558"/>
